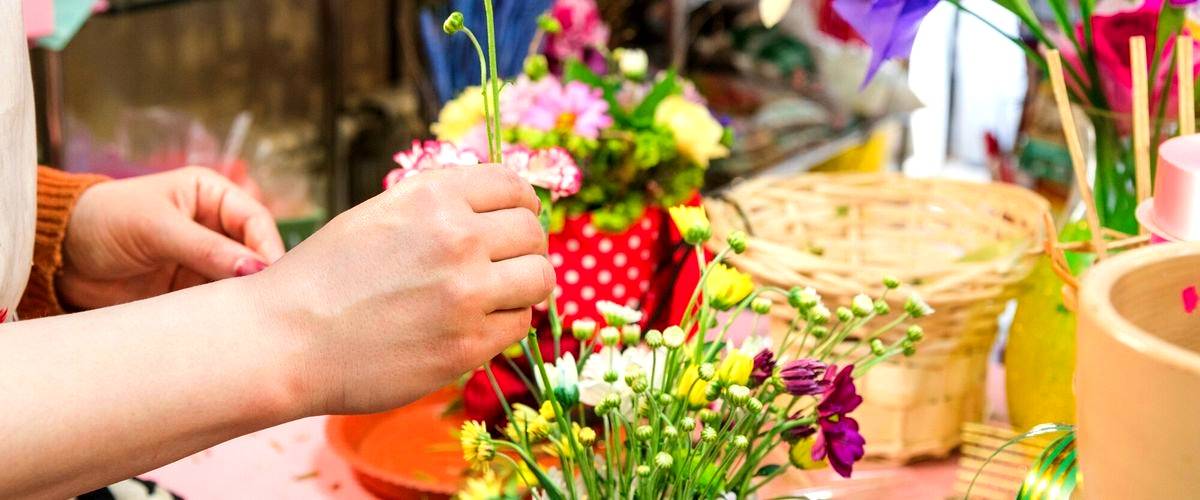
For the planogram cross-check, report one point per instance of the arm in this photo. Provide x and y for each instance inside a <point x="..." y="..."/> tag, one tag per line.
<point x="391" y="300"/>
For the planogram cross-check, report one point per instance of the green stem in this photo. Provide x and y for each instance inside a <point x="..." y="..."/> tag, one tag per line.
<point x="497" y="154"/>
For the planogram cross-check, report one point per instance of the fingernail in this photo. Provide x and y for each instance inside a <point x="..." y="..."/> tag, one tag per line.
<point x="247" y="266"/>
<point x="539" y="205"/>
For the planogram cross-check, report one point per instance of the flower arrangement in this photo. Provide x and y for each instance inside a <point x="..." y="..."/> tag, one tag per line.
<point x="689" y="412"/>
<point x="641" y="140"/>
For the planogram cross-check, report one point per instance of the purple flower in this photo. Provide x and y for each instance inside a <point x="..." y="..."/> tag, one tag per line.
<point x="764" y="366"/>
<point x="803" y="377"/>
<point x="838" y="439"/>
<point x="888" y="26"/>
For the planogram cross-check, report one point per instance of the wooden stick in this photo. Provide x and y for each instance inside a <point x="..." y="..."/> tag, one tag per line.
<point x="1141" y="117"/>
<point x="1054" y="64"/>
<point x="1184" y="66"/>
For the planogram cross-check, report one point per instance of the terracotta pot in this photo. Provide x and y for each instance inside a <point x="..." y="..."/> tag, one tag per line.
<point x="407" y="453"/>
<point x="1138" y="375"/>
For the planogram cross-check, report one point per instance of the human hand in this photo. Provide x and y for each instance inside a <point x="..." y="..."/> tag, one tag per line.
<point x="137" y="238"/>
<point x="402" y="294"/>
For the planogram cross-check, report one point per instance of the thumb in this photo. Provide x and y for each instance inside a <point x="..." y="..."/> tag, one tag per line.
<point x="208" y="253"/>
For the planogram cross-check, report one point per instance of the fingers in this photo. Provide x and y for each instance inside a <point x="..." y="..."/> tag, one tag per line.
<point x="206" y="252"/>
<point x="224" y="207"/>
<point x="511" y="233"/>
<point x="505" y="328"/>
<point x="488" y="188"/>
<point x="520" y="282"/>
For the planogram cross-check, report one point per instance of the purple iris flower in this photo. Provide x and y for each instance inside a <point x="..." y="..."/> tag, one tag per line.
<point x="764" y="366"/>
<point x="839" y="439"/>
<point x="804" y="377"/>
<point x="888" y="26"/>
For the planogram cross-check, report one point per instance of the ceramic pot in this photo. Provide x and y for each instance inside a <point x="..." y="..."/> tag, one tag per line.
<point x="1138" y="375"/>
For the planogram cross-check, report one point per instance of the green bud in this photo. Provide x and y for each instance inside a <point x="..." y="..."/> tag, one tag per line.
<point x="761" y="305"/>
<point x="665" y="399"/>
<point x="882" y="308"/>
<point x="673" y="337"/>
<point x="549" y="24"/>
<point x="611" y="376"/>
<point x="664" y="460"/>
<point x="536" y="67"/>
<point x="453" y="23"/>
<point x="709" y="417"/>
<point x="861" y="306"/>
<point x="819" y="315"/>
<point x="754" y="405"/>
<point x="688" y="424"/>
<point x="670" y="432"/>
<point x="737" y="395"/>
<point x="631" y="335"/>
<point x="877" y="347"/>
<point x="587" y="436"/>
<point x="583" y="329"/>
<point x="707" y="371"/>
<point x="844" y="315"/>
<point x="891" y="282"/>
<point x="915" y="333"/>
<point x="737" y="241"/>
<point x="819" y="332"/>
<point x="708" y="434"/>
<point x="910" y="350"/>
<point x="643" y="470"/>
<point x="712" y="392"/>
<point x="916" y="307"/>
<point x="740" y="442"/>
<point x="609" y="336"/>
<point x="654" y="339"/>
<point x="644" y="432"/>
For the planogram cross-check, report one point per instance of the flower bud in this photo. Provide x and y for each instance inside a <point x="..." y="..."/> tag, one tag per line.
<point x="877" y="347"/>
<point x="643" y="471"/>
<point x="737" y="241"/>
<point x="453" y="23"/>
<point x="708" y="434"/>
<point x="803" y="299"/>
<point x="844" y="315"/>
<point x="761" y="305"/>
<point x="611" y="376"/>
<point x="633" y="63"/>
<point x="654" y="339"/>
<point x="612" y="401"/>
<point x="712" y="392"/>
<point x="638" y="384"/>
<point x="709" y="417"/>
<point x="915" y="333"/>
<point x="819" y="314"/>
<point x="631" y="335"/>
<point x="754" y="405"/>
<point x="664" y="460"/>
<point x="861" y="306"/>
<point x="587" y="436"/>
<point x="609" y="336"/>
<point x="916" y="307"/>
<point x="688" y="424"/>
<point x="707" y="372"/>
<point x="910" y="350"/>
<point x="882" y="308"/>
<point x="549" y="24"/>
<point x="891" y="282"/>
<point x="644" y="432"/>
<point x="740" y="442"/>
<point x="737" y="395"/>
<point x="670" y="432"/>
<point x="673" y="337"/>
<point x="537" y="67"/>
<point x="665" y="399"/>
<point x="819" y="332"/>
<point x="583" y="329"/>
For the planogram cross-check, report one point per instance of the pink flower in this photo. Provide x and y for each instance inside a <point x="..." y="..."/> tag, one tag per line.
<point x="553" y="169"/>
<point x="427" y="155"/>
<point x="574" y="108"/>
<point x="583" y="32"/>
<point x="522" y="96"/>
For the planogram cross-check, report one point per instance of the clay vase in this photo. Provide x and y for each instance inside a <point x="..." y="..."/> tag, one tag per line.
<point x="1138" y="375"/>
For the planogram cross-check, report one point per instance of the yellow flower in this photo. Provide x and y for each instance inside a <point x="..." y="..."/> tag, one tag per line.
<point x="513" y="351"/>
<point x="477" y="446"/>
<point x="485" y="487"/>
<point x="736" y="367"/>
<point x="692" y="223"/>
<point x="526" y="475"/>
<point x="801" y="455"/>
<point x="726" y="287"/>
<point x="459" y="116"/>
<point x="691" y="387"/>
<point x="697" y="134"/>
<point x="528" y="423"/>
<point x="547" y="410"/>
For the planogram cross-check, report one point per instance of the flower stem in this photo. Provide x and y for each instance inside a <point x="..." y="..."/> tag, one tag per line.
<point x="495" y="81"/>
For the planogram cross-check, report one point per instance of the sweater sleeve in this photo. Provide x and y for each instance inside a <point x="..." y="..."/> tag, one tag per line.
<point x="57" y="193"/>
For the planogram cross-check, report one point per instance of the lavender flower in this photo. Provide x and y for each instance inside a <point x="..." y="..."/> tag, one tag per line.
<point x="888" y="26"/>
<point x="803" y="377"/>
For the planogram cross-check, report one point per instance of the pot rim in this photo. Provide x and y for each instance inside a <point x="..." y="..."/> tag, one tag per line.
<point x="1096" y="301"/>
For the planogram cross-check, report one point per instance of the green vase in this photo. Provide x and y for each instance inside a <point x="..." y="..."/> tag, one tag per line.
<point x="1040" y="357"/>
<point x="1115" y="186"/>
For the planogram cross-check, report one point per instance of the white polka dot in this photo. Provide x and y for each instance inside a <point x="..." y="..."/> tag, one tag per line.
<point x="646" y="223"/>
<point x="556" y="259"/>
<point x="620" y="260"/>
<point x="618" y="291"/>
<point x="589" y="230"/>
<point x="645" y="255"/>
<point x="558" y="291"/>
<point x="634" y="242"/>
<point x="645" y="286"/>
<point x="604" y="277"/>
<point x="571" y="277"/>
<point x="632" y="303"/>
<point x="632" y="273"/>
<point x="587" y="293"/>
<point x="588" y="261"/>
<point x="571" y="308"/>
<point x="605" y="245"/>
<point x="573" y="245"/>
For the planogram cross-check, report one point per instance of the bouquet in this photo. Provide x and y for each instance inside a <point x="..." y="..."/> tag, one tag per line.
<point x="641" y="140"/>
<point x="687" y="412"/>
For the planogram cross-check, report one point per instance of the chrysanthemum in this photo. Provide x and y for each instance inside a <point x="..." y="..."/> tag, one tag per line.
<point x="460" y="115"/>
<point x="553" y="169"/>
<point x="592" y="386"/>
<point x="575" y="108"/>
<point x="726" y="287"/>
<point x="485" y="487"/>
<point x="564" y="379"/>
<point x="618" y="315"/>
<point x="738" y="363"/>
<point x="527" y="424"/>
<point x="477" y="446"/>
<point x="692" y="223"/>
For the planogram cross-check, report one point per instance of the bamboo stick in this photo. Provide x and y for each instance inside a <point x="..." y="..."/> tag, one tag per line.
<point x="1141" y="118"/>
<point x="1184" y="66"/>
<point x="1054" y="65"/>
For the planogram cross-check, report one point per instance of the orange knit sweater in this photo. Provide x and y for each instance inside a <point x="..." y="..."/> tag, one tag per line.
<point x="57" y="193"/>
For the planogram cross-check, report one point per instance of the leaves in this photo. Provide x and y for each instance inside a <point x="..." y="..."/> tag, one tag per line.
<point x="643" y="116"/>
<point x="767" y="470"/>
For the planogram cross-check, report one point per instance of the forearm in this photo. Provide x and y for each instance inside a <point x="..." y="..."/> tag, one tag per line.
<point x="92" y="398"/>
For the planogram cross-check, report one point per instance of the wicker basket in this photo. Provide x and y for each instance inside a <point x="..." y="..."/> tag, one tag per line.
<point x="962" y="246"/>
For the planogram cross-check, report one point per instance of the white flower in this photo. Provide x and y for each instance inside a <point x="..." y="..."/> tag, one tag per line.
<point x="633" y="63"/>
<point x="673" y="337"/>
<point x="564" y="379"/>
<point x="772" y="11"/>
<point x="592" y="386"/>
<point x="618" y="315"/>
<point x="862" y="305"/>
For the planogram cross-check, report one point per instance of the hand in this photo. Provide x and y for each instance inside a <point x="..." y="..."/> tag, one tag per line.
<point x="400" y="295"/>
<point x="138" y="238"/>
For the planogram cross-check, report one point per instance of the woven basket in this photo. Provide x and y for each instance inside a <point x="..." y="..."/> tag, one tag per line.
<point x="962" y="246"/>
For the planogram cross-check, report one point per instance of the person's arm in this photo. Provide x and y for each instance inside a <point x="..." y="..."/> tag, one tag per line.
<point x="391" y="300"/>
